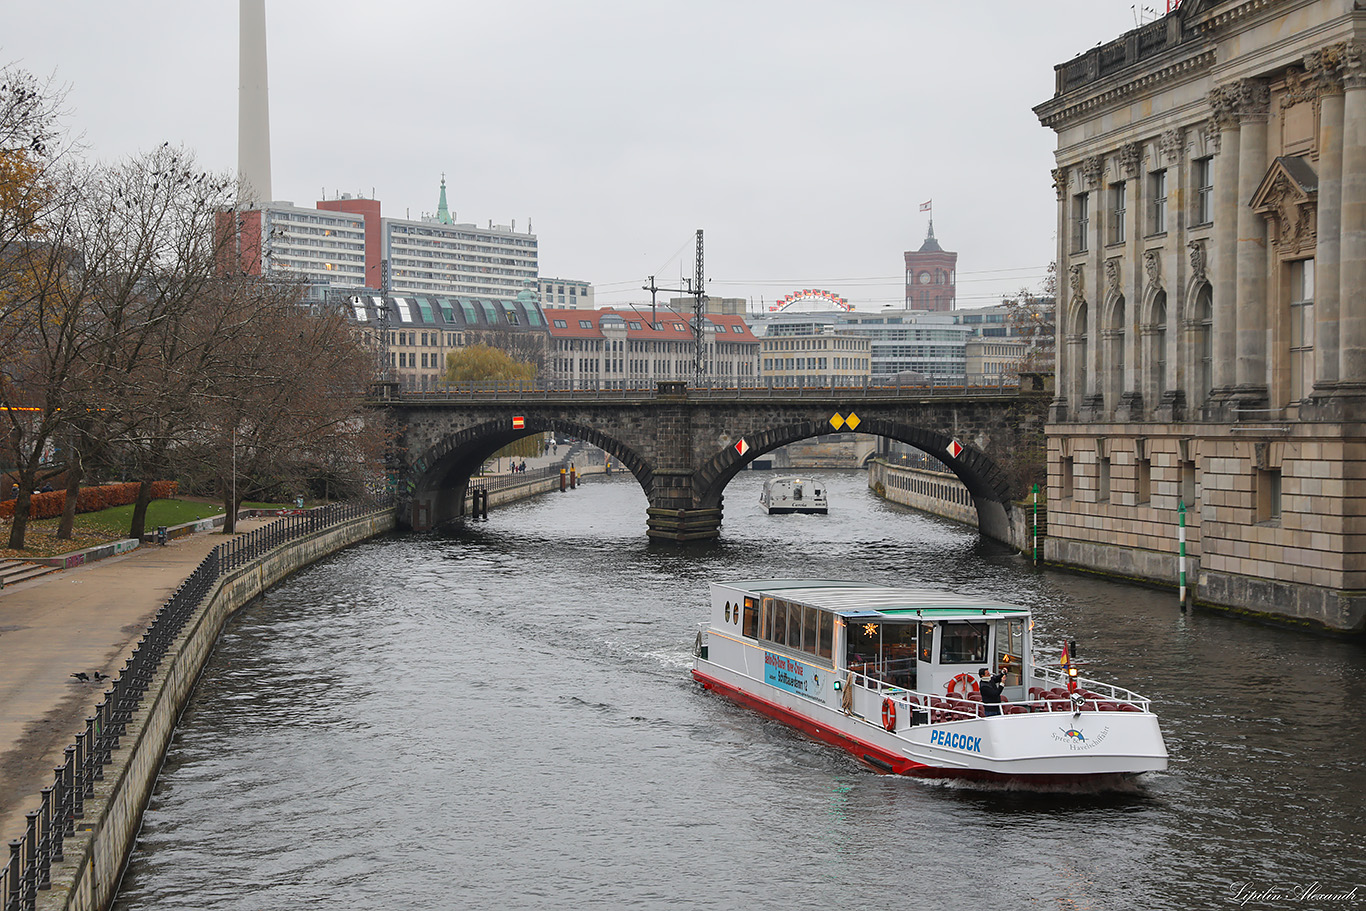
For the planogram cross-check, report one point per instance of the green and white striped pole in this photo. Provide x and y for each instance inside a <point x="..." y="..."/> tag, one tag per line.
<point x="1036" y="524"/>
<point x="1181" y="510"/>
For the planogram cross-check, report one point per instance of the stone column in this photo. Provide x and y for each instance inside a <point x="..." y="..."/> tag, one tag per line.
<point x="1129" y="391"/>
<point x="1223" y="106"/>
<point x="1092" y="172"/>
<point x="1077" y="337"/>
<point x="1324" y="66"/>
<point x="1065" y="398"/>
<point x="1250" y="372"/>
<point x="1352" y="304"/>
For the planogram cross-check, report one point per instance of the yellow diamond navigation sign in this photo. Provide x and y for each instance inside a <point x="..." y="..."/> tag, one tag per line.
<point x="852" y="421"/>
<point x="837" y="421"/>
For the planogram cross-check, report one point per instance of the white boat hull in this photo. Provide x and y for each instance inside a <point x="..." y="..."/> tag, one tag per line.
<point x="1040" y="747"/>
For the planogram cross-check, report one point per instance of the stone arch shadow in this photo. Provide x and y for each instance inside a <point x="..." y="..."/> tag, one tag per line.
<point x="441" y="474"/>
<point x="985" y="480"/>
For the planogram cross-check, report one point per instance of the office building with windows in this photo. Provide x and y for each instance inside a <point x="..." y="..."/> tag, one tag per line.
<point x="346" y="244"/>
<point x="318" y="247"/>
<point x="632" y="348"/>
<point x="827" y="357"/>
<point x="566" y="292"/>
<point x="413" y="334"/>
<point x="1211" y="329"/>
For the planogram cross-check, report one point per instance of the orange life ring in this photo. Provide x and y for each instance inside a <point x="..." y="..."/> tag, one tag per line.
<point x="969" y="684"/>
<point x="889" y="714"/>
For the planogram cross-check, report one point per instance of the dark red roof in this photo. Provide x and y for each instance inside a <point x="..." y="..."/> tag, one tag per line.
<point x="669" y="321"/>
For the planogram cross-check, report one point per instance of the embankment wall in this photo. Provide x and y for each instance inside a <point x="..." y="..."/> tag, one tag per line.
<point x="94" y="858"/>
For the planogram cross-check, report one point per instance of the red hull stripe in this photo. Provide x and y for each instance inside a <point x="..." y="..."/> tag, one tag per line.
<point x="870" y="753"/>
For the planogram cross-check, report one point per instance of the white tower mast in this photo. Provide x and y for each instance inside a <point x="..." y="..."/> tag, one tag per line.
<point x="253" y="106"/>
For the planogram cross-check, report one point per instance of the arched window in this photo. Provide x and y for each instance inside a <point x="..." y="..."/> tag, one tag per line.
<point x="1112" y="371"/>
<point x="1076" y="351"/>
<point x="1156" y="354"/>
<point x="1203" y="343"/>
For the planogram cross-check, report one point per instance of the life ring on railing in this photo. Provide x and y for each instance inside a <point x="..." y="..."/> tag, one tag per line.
<point x="889" y="714"/>
<point x="968" y="681"/>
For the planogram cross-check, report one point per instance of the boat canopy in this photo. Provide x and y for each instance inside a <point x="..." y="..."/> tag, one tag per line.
<point x="858" y="601"/>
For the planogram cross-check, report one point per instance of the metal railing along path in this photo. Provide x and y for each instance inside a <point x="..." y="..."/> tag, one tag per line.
<point x="28" y="869"/>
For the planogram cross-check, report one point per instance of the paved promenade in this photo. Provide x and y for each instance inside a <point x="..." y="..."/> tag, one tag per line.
<point x="83" y="619"/>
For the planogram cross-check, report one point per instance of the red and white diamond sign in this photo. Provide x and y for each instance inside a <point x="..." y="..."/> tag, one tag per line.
<point x="954" y="448"/>
<point x="742" y="447"/>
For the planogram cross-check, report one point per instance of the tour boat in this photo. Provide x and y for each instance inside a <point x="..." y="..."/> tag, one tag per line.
<point x="892" y="676"/>
<point x="789" y="493"/>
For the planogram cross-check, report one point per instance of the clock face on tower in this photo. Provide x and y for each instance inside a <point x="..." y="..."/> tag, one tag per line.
<point x="924" y="278"/>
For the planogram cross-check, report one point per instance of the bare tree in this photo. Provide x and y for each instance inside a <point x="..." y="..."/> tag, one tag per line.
<point x="1030" y="316"/>
<point x="154" y="255"/>
<point x="282" y="401"/>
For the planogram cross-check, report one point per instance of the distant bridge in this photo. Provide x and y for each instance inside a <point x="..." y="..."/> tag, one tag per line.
<point x="685" y="444"/>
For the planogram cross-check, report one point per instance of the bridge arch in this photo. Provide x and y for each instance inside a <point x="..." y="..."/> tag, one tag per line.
<point x="985" y="480"/>
<point x="440" y="476"/>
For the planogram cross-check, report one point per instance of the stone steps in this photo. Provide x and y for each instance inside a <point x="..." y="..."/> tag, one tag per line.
<point x="12" y="571"/>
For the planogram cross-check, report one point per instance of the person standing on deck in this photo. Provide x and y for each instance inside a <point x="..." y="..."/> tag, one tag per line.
<point x="989" y="686"/>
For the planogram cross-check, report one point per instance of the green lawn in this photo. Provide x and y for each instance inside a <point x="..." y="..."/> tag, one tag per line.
<point x="116" y="519"/>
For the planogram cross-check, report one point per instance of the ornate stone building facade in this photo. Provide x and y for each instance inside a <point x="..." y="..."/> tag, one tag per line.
<point x="1211" y="327"/>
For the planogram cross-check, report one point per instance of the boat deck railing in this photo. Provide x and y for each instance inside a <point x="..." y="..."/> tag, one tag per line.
<point x="936" y="708"/>
<point x="1058" y="679"/>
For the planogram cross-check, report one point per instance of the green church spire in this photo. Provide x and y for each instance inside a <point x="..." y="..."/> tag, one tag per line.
<point x="443" y="213"/>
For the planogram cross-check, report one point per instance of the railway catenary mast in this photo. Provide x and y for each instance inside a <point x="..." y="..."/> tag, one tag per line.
<point x="699" y="308"/>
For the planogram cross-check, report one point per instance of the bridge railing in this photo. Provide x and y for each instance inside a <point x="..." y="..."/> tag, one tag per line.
<point x="28" y="870"/>
<point x="645" y="390"/>
<point x="501" y="481"/>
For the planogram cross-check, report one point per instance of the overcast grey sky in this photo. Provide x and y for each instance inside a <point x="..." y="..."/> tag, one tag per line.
<point x="800" y="136"/>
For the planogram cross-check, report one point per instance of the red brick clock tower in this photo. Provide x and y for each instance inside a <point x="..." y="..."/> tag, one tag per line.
<point x="931" y="276"/>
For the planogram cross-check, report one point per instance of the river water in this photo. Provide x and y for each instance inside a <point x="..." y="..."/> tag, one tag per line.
<point x="504" y="719"/>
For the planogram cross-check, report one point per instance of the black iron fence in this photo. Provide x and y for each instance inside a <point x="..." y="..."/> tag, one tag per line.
<point x="29" y="868"/>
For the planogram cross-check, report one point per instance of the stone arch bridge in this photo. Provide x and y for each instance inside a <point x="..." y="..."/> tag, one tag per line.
<point x="684" y="444"/>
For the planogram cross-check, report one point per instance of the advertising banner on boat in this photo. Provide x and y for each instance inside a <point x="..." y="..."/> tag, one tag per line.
<point x="788" y="674"/>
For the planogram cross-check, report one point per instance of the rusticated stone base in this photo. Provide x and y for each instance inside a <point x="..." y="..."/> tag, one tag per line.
<point x="1285" y="603"/>
<point x="680" y="525"/>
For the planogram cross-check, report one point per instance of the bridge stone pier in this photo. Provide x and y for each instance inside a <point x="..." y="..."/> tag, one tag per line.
<point x="683" y="445"/>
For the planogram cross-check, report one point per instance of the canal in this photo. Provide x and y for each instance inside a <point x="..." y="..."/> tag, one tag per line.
<point x="504" y="719"/>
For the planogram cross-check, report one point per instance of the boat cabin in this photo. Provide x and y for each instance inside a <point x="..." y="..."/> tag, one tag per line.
<point x="789" y="494"/>
<point x="881" y="638"/>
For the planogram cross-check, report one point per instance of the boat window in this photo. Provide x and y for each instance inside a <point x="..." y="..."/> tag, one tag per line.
<point x="727" y="611"/>
<point x="1010" y="649"/>
<point x="898" y="654"/>
<point x="810" y="616"/>
<point x="963" y="643"/>
<point x="826" y="636"/>
<point x="751" y="628"/>
<point x="927" y="642"/>
<point x="797" y="492"/>
<point x="779" y="611"/>
<point x="861" y="643"/>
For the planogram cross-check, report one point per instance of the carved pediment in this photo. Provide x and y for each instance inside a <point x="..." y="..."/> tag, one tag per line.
<point x="1288" y="199"/>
